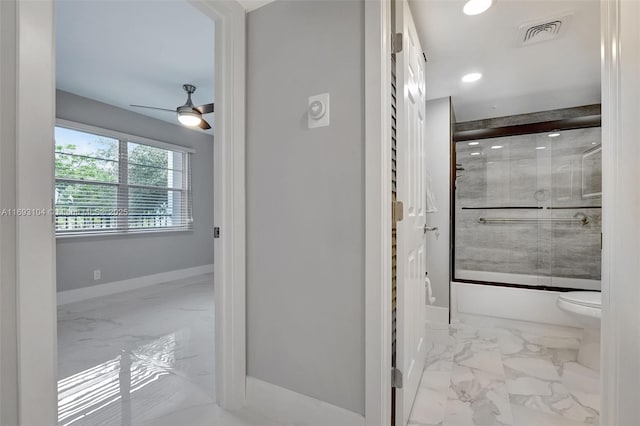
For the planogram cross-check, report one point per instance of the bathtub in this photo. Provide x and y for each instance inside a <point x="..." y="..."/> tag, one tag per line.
<point x="512" y="303"/>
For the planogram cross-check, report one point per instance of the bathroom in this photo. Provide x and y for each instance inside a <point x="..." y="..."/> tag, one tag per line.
<point x="528" y="216"/>
<point x="514" y="229"/>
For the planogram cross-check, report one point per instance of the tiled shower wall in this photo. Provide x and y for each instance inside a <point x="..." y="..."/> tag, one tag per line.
<point x="544" y="178"/>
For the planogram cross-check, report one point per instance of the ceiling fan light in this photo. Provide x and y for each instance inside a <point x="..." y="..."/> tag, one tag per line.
<point x="189" y="118"/>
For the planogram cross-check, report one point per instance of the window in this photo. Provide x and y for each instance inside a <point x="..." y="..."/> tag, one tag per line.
<point x="114" y="183"/>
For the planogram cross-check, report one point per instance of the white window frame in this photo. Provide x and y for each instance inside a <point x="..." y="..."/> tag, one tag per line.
<point x="125" y="138"/>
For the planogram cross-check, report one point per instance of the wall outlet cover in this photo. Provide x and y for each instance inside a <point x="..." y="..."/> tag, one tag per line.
<point x="97" y="274"/>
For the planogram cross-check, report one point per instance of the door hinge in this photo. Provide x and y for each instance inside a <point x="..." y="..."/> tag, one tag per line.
<point x="396" y="43"/>
<point x="396" y="378"/>
<point x="397" y="213"/>
<point x="216" y="232"/>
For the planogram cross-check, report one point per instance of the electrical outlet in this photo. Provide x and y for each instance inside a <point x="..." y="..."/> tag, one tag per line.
<point x="97" y="275"/>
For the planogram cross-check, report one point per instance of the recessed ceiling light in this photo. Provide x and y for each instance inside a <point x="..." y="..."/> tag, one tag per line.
<point x="594" y="143"/>
<point x="474" y="143"/>
<point x="470" y="78"/>
<point x="496" y="147"/>
<point x="476" y="7"/>
<point x="541" y="147"/>
<point x="475" y="153"/>
<point x="553" y="135"/>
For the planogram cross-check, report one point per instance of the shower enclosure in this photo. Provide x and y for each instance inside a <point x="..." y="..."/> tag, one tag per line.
<point x="528" y="211"/>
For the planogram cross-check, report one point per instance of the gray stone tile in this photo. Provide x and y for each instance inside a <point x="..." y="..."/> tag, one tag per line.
<point x="518" y="174"/>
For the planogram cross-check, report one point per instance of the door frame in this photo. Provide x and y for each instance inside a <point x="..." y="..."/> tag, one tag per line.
<point x="229" y="199"/>
<point x="29" y="318"/>
<point x="620" y="369"/>
<point x="29" y="47"/>
<point x="620" y="37"/>
<point x="377" y="44"/>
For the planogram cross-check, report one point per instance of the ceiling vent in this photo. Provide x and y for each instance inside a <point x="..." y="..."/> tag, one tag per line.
<point x="543" y="29"/>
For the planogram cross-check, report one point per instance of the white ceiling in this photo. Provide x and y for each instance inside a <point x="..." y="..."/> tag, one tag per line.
<point x="142" y="52"/>
<point x="135" y="52"/>
<point x="250" y="5"/>
<point x="560" y="73"/>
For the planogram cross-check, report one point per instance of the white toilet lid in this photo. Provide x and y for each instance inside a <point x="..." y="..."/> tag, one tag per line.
<point x="593" y="299"/>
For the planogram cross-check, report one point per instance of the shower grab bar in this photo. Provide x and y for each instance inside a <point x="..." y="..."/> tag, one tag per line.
<point x="578" y="218"/>
<point x="505" y="208"/>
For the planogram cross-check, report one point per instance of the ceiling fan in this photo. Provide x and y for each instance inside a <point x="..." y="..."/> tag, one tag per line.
<point x="188" y="114"/>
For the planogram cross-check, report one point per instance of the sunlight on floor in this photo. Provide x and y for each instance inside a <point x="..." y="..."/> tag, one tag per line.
<point x="133" y="357"/>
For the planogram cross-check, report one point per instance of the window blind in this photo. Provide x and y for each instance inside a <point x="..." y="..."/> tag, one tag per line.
<point x="118" y="185"/>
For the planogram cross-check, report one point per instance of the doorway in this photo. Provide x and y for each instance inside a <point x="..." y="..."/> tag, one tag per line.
<point x="134" y="211"/>
<point x="487" y="189"/>
<point x="35" y="320"/>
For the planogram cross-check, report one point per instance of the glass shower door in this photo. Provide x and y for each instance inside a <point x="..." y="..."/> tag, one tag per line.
<point x="528" y="210"/>
<point x="575" y="207"/>
<point x="500" y="198"/>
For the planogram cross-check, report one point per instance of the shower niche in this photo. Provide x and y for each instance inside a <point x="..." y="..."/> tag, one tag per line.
<point x="528" y="209"/>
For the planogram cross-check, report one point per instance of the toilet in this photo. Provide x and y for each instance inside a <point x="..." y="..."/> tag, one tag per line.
<point x="586" y="308"/>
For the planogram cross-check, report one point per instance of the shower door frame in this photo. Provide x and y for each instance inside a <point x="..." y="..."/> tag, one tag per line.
<point x="583" y="122"/>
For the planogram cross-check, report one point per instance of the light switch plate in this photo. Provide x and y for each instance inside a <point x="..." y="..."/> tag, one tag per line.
<point x="318" y="111"/>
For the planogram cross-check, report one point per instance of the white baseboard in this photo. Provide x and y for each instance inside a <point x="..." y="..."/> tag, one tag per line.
<point x="106" y="289"/>
<point x="529" y="327"/>
<point x="437" y="314"/>
<point x="291" y="408"/>
<point x="506" y="302"/>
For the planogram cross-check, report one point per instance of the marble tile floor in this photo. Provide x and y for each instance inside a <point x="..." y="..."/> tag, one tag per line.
<point x="515" y="374"/>
<point x="144" y="357"/>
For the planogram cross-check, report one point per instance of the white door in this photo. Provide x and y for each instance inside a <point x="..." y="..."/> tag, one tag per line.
<point x="411" y="261"/>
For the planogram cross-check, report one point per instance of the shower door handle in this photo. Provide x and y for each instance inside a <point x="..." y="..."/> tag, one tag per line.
<point x="430" y="228"/>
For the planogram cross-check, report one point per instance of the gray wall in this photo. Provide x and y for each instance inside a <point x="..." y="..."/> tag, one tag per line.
<point x="305" y="200"/>
<point x="438" y="140"/>
<point x="513" y="176"/>
<point x="130" y="256"/>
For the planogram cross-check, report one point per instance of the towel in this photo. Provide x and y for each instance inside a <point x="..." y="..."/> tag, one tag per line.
<point x="430" y="297"/>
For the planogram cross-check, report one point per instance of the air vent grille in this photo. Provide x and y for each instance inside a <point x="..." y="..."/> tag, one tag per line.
<point x="548" y="29"/>
<point x="543" y="29"/>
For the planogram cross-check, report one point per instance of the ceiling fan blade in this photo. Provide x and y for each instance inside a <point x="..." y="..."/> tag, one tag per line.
<point x="150" y="107"/>
<point x="205" y="109"/>
<point x="204" y="125"/>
